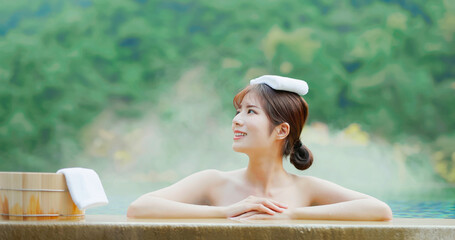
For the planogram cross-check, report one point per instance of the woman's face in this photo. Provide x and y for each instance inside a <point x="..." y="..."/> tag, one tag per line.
<point x="251" y="126"/>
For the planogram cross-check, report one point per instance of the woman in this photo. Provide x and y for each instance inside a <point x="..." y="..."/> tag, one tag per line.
<point x="270" y="117"/>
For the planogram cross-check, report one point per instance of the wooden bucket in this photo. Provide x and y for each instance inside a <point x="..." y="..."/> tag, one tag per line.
<point x="36" y="196"/>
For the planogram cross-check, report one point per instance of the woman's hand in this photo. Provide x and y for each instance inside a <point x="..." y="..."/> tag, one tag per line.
<point x="254" y="215"/>
<point x="253" y="204"/>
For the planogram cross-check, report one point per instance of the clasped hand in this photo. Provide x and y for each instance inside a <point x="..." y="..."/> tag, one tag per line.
<point x="257" y="208"/>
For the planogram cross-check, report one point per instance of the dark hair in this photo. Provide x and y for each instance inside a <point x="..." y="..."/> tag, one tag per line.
<point x="280" y="107"/>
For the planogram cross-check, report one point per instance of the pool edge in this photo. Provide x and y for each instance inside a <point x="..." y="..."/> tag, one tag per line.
<point x="120" y="227"/>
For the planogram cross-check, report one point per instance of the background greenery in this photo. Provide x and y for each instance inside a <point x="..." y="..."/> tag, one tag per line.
<point x="388" y="66"/>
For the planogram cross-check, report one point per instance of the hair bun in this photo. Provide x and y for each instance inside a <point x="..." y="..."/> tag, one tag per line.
<point x="301" y="157"/>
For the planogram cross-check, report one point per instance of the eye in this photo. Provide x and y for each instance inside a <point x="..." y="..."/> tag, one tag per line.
<point x="251" y="111"/>
<point x="237" y="112"/>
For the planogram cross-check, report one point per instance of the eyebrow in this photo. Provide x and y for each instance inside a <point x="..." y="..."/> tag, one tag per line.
<point x="251" y="106"/>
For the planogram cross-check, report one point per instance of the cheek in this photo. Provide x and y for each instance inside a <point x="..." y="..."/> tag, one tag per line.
<point x="262" y="128"/>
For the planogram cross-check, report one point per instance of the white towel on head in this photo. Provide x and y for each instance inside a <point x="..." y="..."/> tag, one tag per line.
<point x="283" y="83"/>
<point x="85" y="187"/>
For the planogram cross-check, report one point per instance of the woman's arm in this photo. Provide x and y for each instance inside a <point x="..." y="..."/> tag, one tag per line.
<point x="367" y="209"/>
<point x="181" y="200"/>
<point x="331" y="202"/>
<point x="185" y="199"/>
<point x="149" y="206"/>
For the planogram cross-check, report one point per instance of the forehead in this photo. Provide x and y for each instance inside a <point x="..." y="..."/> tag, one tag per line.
<point x="251" y="98"/>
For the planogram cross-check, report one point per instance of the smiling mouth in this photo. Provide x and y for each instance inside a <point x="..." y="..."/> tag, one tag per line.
<point x="239" y="134"/>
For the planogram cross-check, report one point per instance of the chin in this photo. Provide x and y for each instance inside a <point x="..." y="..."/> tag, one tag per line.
<point x="237" y="148"/>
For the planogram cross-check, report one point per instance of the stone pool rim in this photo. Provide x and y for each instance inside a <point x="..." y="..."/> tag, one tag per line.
<point x="120" y="227"/>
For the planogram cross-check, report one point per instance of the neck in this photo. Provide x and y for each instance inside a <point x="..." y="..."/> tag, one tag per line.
<point x="265" y="173"/>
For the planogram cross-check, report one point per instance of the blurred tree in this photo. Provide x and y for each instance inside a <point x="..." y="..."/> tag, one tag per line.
<point x="386" y="65"/>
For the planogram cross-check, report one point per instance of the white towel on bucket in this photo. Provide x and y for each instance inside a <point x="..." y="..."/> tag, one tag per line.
<point x="85" y="187"/>
<point x="283" y="83"/>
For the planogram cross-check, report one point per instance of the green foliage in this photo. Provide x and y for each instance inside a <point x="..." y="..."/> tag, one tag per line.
<point x="387" y="66"/>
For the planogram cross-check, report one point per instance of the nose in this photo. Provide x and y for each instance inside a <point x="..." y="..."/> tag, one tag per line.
<point x="237" y="120"/>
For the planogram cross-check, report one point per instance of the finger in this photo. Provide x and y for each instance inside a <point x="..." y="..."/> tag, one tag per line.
<point x="264" y="209"/>
<point x="253" y="216"/>
<point x="281" y="205"/>
<point x="238" y="213"/>
<point x="245" y="209"/>
<point x="244" y="215"/>
<point x="271" y="201"/>
<point x="247" y="214"/>
<point x="273" y="206"/>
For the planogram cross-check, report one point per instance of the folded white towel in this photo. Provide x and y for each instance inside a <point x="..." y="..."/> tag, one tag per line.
<point x="85" y="187"/>
<point x="283" y="83"/>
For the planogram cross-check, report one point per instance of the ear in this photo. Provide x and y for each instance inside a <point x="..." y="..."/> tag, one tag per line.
<point x="282" y="130"/>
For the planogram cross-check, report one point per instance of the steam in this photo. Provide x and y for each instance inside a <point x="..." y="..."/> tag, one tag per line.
<point x="188" y="131"/>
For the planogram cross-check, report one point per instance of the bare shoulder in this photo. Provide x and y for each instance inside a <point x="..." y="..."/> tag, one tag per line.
<point x="207" y="176"/>
<point x="307" y="181"/>
<point x="213" y="176"/>
<point x="323" y="191"/>
<point x="217" y="179"/>
<point x="312" y="181"/>
<point x="207" y="173"/>
<point x="192" y="189"/>
<point x="315" y="184"/>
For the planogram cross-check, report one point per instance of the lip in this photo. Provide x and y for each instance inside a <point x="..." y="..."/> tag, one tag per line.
<point x="238" y="137"/>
